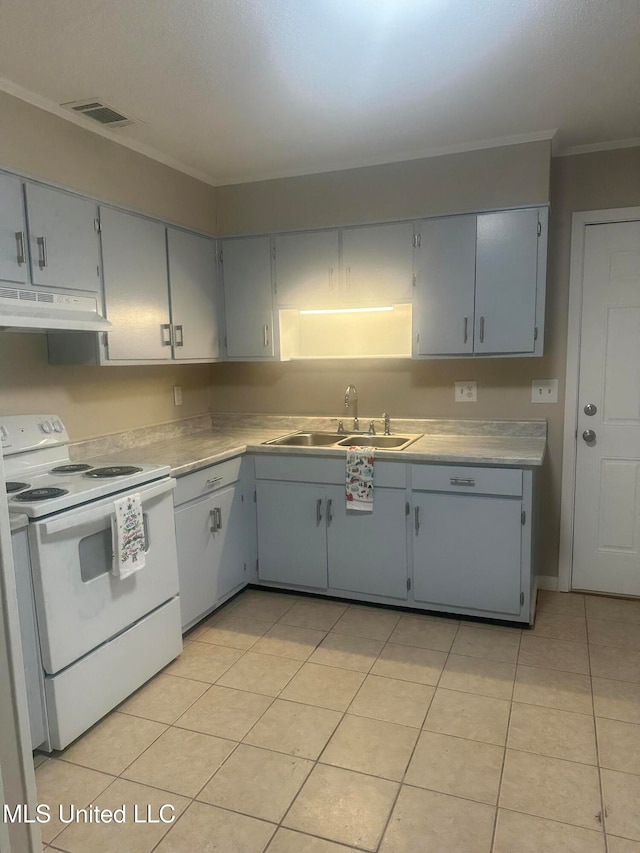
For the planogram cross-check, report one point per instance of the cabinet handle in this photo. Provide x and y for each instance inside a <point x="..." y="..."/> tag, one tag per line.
<point x="210" y="483"/>
<point x="180" y="342"/>
<point x="20" y="253"/>
<point x="265" y="335"/>
<point x="462" y="481"/>
<point x="481" y="329"/>
<point x="42" y="252"/>
<point x="466" y="329"/>
<point x="168" y="339"/>
<point x="212" y="514"/>
<point x="218" y="517"/>
<point x="318" y="510"/>
<point x="330" y="278"/>
<point x="329" y="513"/>
<point x="416" y="514"/>
<point x="348" y="278"/>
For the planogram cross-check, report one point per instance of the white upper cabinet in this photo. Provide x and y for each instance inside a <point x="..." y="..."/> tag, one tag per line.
<point x="194" y="297"/>
<point x="444" y="264"/>
<point x="135" y="287"/>
<point x="510" y="274"/>
<point x="246" y="271"/>
<point x="377" y="262"/>
<point x="63" y="239"/>
<point x="306" y="269"/>
<point x="14" y="250"/>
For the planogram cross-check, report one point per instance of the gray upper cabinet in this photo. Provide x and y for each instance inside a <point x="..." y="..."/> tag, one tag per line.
<point x="507" y="267"/>
<point x="378" y="263"/>
<point x="14" y="250"/>
<point x="444" y="264"/>
<point x="306" y="269"/>
<point x="63" y="239"/>
<point x="246" y="271"/>
<point x="135" y="287"/>
<point x="194" y="297"/>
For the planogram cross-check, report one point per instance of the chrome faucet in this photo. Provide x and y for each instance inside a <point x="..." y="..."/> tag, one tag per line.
<point x="349" y="394"/>
<point x="387" y="423"/>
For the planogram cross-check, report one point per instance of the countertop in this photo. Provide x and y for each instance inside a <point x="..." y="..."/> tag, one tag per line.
<point x="510" y="443"/>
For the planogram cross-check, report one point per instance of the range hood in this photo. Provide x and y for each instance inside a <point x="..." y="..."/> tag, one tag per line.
<point x="43" y="311"/>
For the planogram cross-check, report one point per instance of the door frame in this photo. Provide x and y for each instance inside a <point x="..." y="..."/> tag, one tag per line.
<point x="579" y="222"/>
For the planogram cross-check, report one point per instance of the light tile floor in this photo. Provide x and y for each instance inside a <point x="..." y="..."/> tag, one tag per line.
<point x="293" y="725"/>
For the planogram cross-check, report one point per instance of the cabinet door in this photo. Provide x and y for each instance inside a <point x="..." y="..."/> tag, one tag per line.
<point x="197" y="552"/>
<point x="506" y="280"/>
<point x="378" y="263"/>
<point x="246" y="270"/>
<point x="467" y="551"/>
<point x="14" y="256"/>
<point x="64" y="243"/>
<point x="136" y="290"/>
<point x="292" y="534"/>
<point x="367" y="551"/>
<point x="230" y="538"/>
<point x="445" y="268"/>
<point x="307" y="269"/>
<point x="194" y="305"/>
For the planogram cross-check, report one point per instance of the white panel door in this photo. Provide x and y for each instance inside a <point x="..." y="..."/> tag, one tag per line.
<point x="14" y="251"/>
<point x="64" y="243"/>
<point x="445" y="269"/>
<point x="248" y="306"/>
<point x="194" y="296"/>
<point x="292" y="534"/>
<point x="368" y="550"/>
<point x="606" y="551"/>
<point x="378" y="263"/>
<point x="506" y="281"/>
<point x="197" y="560"/>
<point x="136" y="288"/>
<point x="230" y="535"/>
<point x="307" y="269"/>
<point x="467" y="551"/>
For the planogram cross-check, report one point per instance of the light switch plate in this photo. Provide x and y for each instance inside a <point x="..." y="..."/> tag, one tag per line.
<point x="466" y="392"/>
<point x="177" y="395"/>
<point x="544" y="391"/>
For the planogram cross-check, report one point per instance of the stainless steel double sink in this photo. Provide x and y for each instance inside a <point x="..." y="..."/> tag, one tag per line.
<point x="336" y="439"/>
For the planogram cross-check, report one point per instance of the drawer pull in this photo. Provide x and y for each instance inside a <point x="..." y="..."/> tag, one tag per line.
<point x="211" y="483"/>
<point x="462" y="481"/>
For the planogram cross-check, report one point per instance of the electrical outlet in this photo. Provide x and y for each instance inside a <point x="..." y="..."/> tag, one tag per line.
<point x="177" y="395"/>
<point x="466" y="392"/>
<point x="544" y="391"/>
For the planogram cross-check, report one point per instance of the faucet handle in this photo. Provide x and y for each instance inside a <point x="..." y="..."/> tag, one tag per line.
<point x="372" y="428"/>
<point x="340" y="427"/>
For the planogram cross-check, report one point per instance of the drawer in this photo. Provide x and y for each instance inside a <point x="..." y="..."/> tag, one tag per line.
<point x="207" y="480"/>
<point x="330" y="470"/>
<point x="467" y="480"/>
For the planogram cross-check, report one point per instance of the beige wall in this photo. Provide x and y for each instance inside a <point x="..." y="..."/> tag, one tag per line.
<point x="425" y="389"/>
<point x="490" y="178"/>
<point x="94" y="401"/>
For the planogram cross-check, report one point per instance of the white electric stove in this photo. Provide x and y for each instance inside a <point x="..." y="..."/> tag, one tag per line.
<point x="100" y="636"/>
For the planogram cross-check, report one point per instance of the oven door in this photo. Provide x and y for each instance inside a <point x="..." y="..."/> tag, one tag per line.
<point x="80" y="604"/>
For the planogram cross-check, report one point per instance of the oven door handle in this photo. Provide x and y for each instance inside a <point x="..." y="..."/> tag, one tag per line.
<point x="74" y="519"/>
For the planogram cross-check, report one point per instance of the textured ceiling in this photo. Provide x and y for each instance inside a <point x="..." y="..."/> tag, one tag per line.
<point x="239" y="90"/>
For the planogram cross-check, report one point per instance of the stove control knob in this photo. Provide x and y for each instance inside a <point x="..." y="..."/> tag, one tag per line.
<point x="57" y="426"/>
<point x="3" y="433"/>
<point x="45" y="426"/>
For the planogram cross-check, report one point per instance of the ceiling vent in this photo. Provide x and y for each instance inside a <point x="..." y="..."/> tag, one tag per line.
<point x="99" y="111"/>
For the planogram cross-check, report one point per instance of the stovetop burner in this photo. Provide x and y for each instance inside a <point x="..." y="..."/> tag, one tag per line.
<point x="72" y="468"/>
<point x="112" y="471"/>
<point x="41" y="494"/>
<point x="14" y="486"/>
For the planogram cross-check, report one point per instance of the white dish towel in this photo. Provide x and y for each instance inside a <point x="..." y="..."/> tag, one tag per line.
<point x="359" y="478"/>
<point x="127" y="529"/>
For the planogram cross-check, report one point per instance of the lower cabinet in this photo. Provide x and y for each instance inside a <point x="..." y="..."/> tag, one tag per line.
<point x="306" y="537"/>
<point x="211" y="539"/>
<point x="468" y="532"/>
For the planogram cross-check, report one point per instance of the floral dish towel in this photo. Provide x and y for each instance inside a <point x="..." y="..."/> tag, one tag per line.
<point x="359" y="478"/>
<point x="128" y="536"/>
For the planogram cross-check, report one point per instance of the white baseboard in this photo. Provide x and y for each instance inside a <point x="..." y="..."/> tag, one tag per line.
<point x="548" y="582"/>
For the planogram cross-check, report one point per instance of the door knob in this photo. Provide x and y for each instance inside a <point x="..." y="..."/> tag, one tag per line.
<point x="589" y="436"/>
<point x="590" y="409"/>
